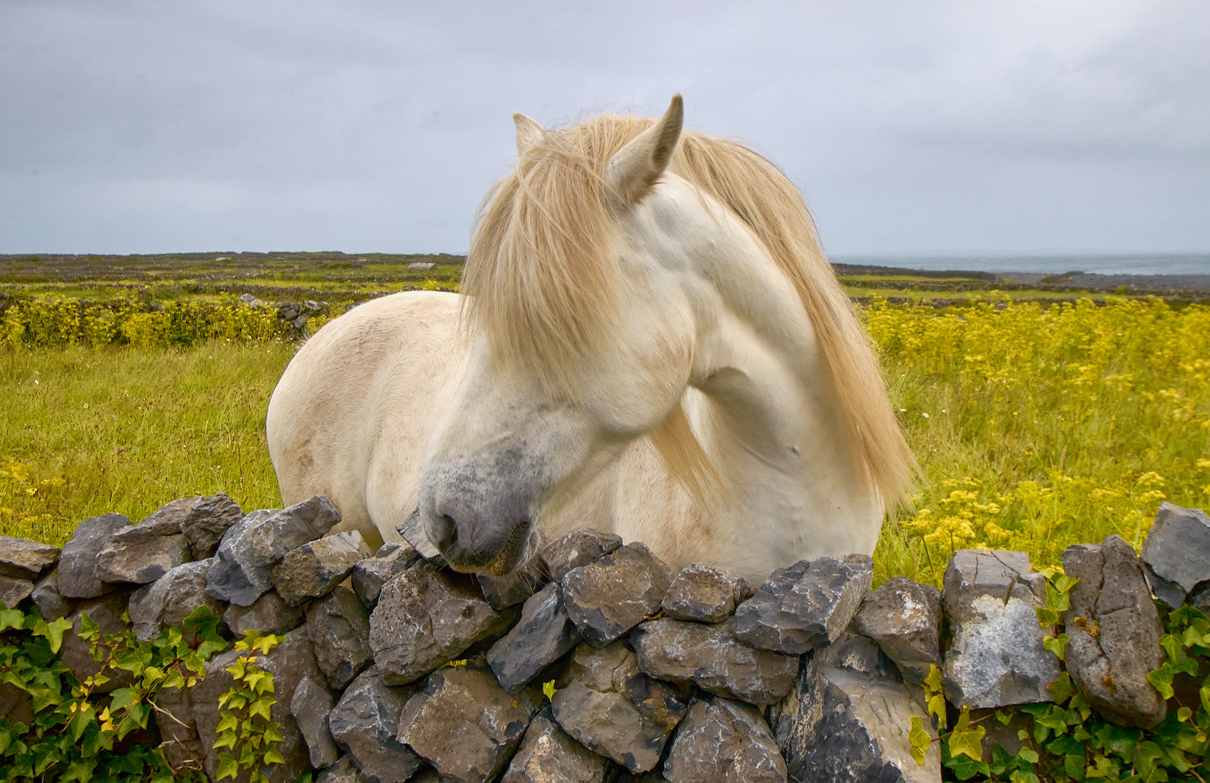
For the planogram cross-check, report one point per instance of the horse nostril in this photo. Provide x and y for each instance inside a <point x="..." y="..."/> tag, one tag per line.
<point x="445" y="532"/>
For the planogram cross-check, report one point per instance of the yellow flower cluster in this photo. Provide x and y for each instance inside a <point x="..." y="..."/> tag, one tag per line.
<point x="1041" y="427"/>
<point x="26" y="502"/>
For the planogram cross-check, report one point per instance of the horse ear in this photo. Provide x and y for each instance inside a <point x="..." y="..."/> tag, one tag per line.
<point x="632" y="172"/>
<point x="528" y="132"/>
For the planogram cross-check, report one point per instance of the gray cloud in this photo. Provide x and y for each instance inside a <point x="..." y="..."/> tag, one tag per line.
<point x="922" y="127"/>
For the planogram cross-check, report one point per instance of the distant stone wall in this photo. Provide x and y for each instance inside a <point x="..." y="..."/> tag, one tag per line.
<point x="691" y="676"/>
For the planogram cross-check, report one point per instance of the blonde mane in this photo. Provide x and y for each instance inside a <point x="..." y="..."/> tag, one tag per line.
<point x="542" y="277"/>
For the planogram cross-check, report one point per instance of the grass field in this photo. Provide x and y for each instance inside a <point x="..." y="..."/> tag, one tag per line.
<point x="1036" y="425"/>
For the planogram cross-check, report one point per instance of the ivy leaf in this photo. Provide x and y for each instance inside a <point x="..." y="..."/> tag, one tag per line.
<point x="919" y="739"/>
<point x="228" y="767"/>
<point x="1161" y="680"/>
<point x="966" y="740"/>
<point x="11" y="618"/>
<point x="54" y="633"/>
<point x="1062" y="688"/>
<point x="1057" y="645"/>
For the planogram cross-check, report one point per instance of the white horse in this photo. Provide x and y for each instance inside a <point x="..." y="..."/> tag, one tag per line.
<point x="651" y="342"/>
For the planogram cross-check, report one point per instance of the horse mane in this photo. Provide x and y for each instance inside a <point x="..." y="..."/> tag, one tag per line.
<point x="541" y="275"/>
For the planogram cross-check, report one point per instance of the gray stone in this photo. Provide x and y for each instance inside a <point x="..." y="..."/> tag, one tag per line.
<point x="48" y="599"/>
<point x="343" y="771"/>
<point x="174" y="718"/>
<point x="140" y="554"/>
<point x="712" y="658"/>
<point x="370" y="574"/>
<point x="848" y="719"/>
<point x="310" y="706"/>
<point x="904" y="618"/>
<point x="609" y="596"/>
<point x="1177" y="552"/>
<point x="464" y="724"/>
<point x="21" y="558"/>
<point x="206" y="523"/>
<point x="549" y="755"/>
<point x="267" y="614"/>
<point x="166" y="602"/>
<point x="806" y="605"/>
<point x="340" y="628"/>
<point x="364" y="722"/>
<point x="1114" y="630"/>
<point x="426" y="617"/>
<point x="504" y="590"/>
<point x="609" y="725"/>
<point x="412" y="530"/>
<point x="106" y="612"/>
<point x="995" y="657"/>
<point x="248" y="551"/>
<point x="14" y="591"/>
<point x="704" y="593"/>
<point x="576" y="549"/>
<point x="543" y="635"/>
<point x="16" y="704"/>
<point x="724" y="741"/>
<point x="78" y="564"/>
<point x="316" y="567"/>
<point x="289" y="662"/>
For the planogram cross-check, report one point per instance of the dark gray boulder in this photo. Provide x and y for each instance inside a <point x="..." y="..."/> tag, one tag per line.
<point x="364" y="722"/>
<point x="426" y="617"/>
<point x="609" y="596"/>
<point x="310" y="705"/>
<point x="106" y="612"/>
<point x="549" y="755"/>
<point x="206" y="523"/>
<point x="370" y="574"/>
<point x="464" y="724"/>
<point x="995" y="657"/>
<point x="166" y="602"/>
<point x="1177" y="552"/>
<point x="543" y="635"/>
<point x="21" y="558"/>
<point x="806" y="605"/>
<point x="78" y="576"/>
<point x="1114" y="630"/>
<point x="14" y="591"/>
<point x="343" y="771"/>
<point x="848" y="719"/>
<point x="576" y="549"/>
<point x="724" y="741"/>
<point x="250" y="549"/>
<point x="339" y="628"/>
<point x="267" y="614"/>
<point x="710" y="657"/>
<point x="904" y="618"/>
<point x="704" y="593"/>
<point x="316" y="567"/>
<point x="504" y="590"/>
<point x="142" y="553"/>
<point x="48" y="599"/>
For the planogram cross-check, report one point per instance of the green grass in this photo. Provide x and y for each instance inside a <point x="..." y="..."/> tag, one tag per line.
<point x="128" y="430"/>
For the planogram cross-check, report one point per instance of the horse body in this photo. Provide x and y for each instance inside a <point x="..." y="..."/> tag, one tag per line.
<point x="641" y="361"/>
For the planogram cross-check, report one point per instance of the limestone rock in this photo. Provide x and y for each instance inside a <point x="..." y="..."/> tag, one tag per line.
<point x="904" y="618"/>
<point x="543" y="635"/>
<point x="267" y="614"/>
<point x="48" y="599"/>
<point x="576" y="549"/>
<point x="806" y="605"/>
<point x="78" y="576"/>
<point x="343" y="771"/>
<point x="704" y="593"/>
<point x="14" y="591"/>
<point x="724" y="741"/>
<point x="256" y="543"/>
<point x="505" y="590"/>
<point x="1177" y="552"/>
<point x="339" y="628"/>
<point x="848" y="719"/>
<point x="1114" y="631"/>
<point x="310" y="706"/>
<point x="464" y="724"/>
<point x="364" y="722"/>
<point x="175" y="721"/>
<point x="289" y="662"/>
<point x="426" y="617"/>
<point x="609" y="596"/>
<point x="21" y="558"/>
<point x="316" y="567"/>
<point x="996" y="657"/>
<point x="206" y="523"/>
<point x="106" y="612"/>
<point x="370" y="574"/>
<point x="712" y="658"/>
<point x="549" y="755"/>
<point x="166" y="602"/>
<point x="412" y="530"/>
<point x="138" y="556"/>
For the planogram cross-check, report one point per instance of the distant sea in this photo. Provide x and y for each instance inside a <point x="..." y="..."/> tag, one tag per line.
<point x="1182" y="264"/>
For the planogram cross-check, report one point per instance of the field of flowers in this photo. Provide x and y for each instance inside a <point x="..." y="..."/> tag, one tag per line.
<point x="1036" y="426"/>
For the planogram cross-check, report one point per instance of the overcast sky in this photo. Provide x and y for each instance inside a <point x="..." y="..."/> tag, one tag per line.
<point x="911" y="127"/>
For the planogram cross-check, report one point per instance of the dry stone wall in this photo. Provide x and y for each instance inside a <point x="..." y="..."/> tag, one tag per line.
<point x="396" y="668"/>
